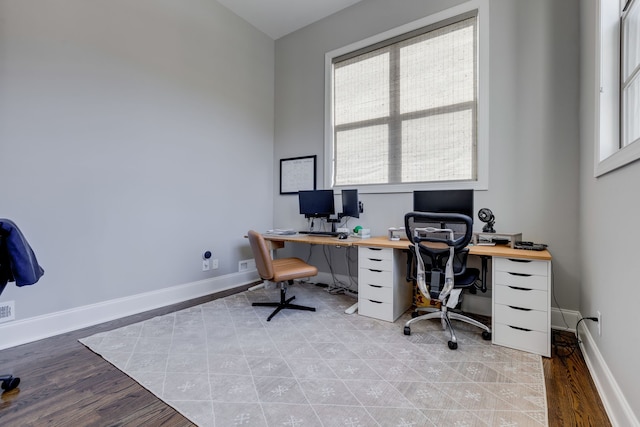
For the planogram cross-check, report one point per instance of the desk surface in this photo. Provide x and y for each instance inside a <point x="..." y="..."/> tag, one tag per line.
<point x="311" y="239"/>
<point x="384" y="242"/>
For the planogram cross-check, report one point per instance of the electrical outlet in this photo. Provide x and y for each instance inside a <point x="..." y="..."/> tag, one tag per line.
<point x="205" y="265"/>
<point x="599" y="323"/>
<point x="247" y="264"/>
<point x="214" y="264"/>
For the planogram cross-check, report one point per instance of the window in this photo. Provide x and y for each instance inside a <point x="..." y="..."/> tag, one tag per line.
<point x="618" y="110"/>
<point x="403" y="109"/>
<point x="630" y="73"/>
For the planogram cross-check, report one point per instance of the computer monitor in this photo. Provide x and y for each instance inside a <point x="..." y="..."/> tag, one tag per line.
<point x="350" y="203"/>
<point x="444" y="201"/>
<point x="316" y="203"/>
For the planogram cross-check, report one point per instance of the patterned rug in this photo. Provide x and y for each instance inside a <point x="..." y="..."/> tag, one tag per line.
<point x="222" y="364"/>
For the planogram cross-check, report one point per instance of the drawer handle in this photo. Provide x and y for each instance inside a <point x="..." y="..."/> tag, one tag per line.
<point x="375" y="249"/>
<point x="375" y="271"/>
<point x="520" y="308"/>
<point x="521" y="274"/>
<point x="519" y="260"/>
<point x="375" y="259"/>
<point x="375" y="286"/>
<point x="376" y="302"/>
<point x="520" y="329"/>
<point x="517" y="288"/>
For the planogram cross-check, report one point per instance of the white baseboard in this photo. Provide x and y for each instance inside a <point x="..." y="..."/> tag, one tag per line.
<point x="616" y="405"/>
<point x="564" y="320"/>
<point x="340" y="280"/>
<point x="478" y="304"/>
<point x="40" y="327"/>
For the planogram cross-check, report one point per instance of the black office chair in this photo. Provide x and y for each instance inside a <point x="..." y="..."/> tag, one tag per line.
<point x="439" y="267"/>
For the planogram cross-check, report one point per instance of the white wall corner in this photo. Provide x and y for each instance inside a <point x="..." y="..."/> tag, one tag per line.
<point x="40" y="327"/>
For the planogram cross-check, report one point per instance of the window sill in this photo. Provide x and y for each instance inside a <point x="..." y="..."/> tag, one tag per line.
<point x="410" y="187"/>
<point x="620" y="158"/>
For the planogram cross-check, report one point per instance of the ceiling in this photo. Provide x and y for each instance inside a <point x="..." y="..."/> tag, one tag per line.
<point x="277" y="18"/>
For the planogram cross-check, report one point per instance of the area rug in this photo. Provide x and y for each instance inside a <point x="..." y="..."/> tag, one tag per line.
<point x="222" y="364"/>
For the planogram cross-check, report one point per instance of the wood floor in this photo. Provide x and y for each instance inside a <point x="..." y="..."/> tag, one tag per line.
<point x="64" y="384"/>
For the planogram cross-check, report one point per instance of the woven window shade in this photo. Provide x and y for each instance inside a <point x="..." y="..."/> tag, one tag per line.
<point x="404" y="110"/>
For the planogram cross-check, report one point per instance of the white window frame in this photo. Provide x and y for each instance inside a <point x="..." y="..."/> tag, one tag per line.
<point x="482" y="180"/>
<point x="609" y="155"/>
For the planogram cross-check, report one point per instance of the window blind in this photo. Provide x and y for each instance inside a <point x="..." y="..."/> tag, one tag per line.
<point x="405" y="110"/>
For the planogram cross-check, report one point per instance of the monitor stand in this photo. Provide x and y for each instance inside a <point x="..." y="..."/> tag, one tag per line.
<point x="333" y="220"/>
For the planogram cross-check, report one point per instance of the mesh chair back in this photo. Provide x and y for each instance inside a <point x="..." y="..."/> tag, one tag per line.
<point x="433" y="247"/>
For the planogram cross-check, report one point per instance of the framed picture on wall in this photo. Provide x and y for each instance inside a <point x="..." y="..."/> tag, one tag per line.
<point x="297" y="173"/>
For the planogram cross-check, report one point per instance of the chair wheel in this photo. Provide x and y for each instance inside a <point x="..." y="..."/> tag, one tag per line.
<point x="486" y="335"/>
<point x="415" y="314"/>
<point x="10" y="383"/>
<point x="452" y="345"/>
<point x="407" y="330"/>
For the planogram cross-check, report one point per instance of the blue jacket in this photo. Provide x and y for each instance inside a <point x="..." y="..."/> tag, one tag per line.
<point x="17" y="261"/>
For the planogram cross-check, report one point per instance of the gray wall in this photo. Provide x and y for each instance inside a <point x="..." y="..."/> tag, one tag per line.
<point x="533" y="158"/>
<point x="131" y="136"/>
<point x="609" y="208"/>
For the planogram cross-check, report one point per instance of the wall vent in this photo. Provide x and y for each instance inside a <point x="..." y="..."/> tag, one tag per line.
<point x="7" y="311"/>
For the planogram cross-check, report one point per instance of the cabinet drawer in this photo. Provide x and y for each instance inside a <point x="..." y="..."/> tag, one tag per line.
<point x="375" y="253"/>
<point x="376" y="292"/>
<point x="532" y="341"/>
<point x="521" y="281"/>
<point x="375" y="263"/>
<point x="524" y="266"/>
<point x="375" y="277"/>
<point x="523" y="298"/>
<point x="535" y="320"/>
<point x="375" y="309"/>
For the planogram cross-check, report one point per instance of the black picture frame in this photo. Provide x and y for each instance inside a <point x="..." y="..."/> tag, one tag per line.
<point x="297" y="173"/>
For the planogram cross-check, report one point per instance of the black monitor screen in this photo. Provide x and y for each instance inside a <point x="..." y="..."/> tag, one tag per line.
<point x="316" y="203"/>
<point x="444" y="201"/>
<point x="350" y="205"/>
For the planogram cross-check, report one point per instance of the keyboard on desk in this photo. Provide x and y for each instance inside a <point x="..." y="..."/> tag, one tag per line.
<point x="321" y="233"/>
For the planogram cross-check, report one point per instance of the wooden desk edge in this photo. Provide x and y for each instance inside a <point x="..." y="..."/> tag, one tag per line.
<point x="281" y="239"/>
<point x="278" y="241"/>
<point x="507" y="252"/>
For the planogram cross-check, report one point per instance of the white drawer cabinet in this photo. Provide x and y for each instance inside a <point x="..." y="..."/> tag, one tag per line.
<point x="383" y="292"/>
<point x="522" y="304"/>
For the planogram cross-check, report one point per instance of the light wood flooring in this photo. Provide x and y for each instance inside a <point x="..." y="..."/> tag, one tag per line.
<point x="64" y="384"/>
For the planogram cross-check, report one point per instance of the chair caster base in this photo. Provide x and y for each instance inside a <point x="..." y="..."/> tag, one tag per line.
<point x="407" y="330"/>
<point x="486" y="335"/>
<point x="452" y="345"/>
